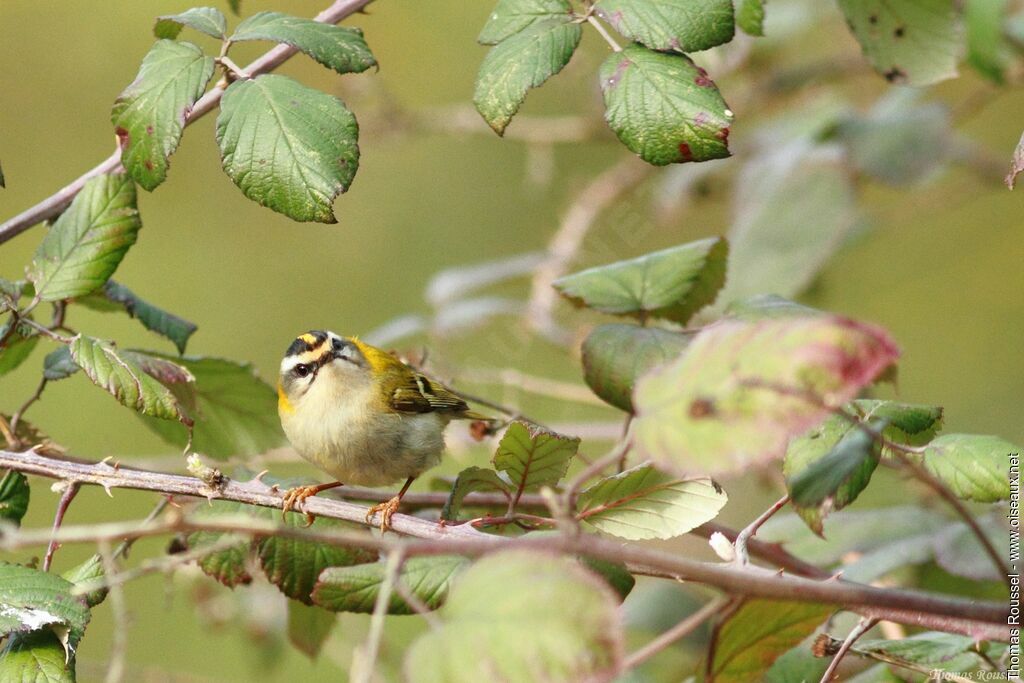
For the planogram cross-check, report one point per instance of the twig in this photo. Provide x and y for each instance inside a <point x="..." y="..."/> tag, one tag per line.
<point x="163" y="563"/>
<point x="604" y="33"/>
<point x="57" y="202"/>
<point x="20" y="412"/>
<point x="593" y="469"/>
<point x="563" y="248"/>
<point x="929" y="480"/>
<point x="980" y="619"/>
<point x="70" y="491"/>
<point x="727" y="612"/>
<point x="677" y="632"/>
<point x="862" y="627"/>
<point x="902" y="452"/>
<point x="366" y="656"/>
<point x="119" y="639"/>
<point x="743" y="537"/>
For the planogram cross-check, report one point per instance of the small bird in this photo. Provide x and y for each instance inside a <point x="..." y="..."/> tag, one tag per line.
<point x="361" y="415"/>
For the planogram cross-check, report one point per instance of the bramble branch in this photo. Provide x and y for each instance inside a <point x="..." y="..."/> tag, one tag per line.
<point x="981" y="619"/>
<point x="270" y="60"/>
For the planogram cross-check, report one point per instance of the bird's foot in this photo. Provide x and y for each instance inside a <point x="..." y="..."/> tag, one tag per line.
<point x="386" y="509"/>
<point x="295" y="498"/>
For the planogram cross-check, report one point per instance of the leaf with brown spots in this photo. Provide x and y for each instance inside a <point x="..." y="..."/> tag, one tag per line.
<point x="664" y="107"/>
<point x="909" y="42"/>
<point x="149" y="116"/>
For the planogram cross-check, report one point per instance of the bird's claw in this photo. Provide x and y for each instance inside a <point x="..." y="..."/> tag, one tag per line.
<point x="294" y="500"/>
<point x="386" y="509"/>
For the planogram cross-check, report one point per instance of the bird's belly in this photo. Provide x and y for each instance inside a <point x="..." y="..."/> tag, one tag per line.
<point x="362" y="450"/>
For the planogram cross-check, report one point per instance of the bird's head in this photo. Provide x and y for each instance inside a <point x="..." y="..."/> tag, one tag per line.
<point x="317" y="362"/>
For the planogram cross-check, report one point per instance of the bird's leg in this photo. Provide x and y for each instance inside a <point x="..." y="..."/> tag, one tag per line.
<point x="294" y="498"/>
<point x="388" y="508"/>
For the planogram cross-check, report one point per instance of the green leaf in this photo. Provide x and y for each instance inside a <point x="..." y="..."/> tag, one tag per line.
<point x="664" y="107"/>
<point x="87" y="242"/>
<point x="520" y="62"/>
<point x="928" y="648"/>
<point x="742" y="390"/>
<point x="234" y="411"/>
<point x="643" y="503"/>
<point x="229" y="565"/>
<point x="615" y="575"/>
<point x="680" y="25"/>
<point x="758" y="633"/>
<point x="85" y="573"/>
<point x="208" y="20"/>
<point x="973" y="467"/>
<point x="115" y="296"/>
<point x="798" y="664"/>
<point x="673" y="283"/>
<point x="522" y="615"/>
<point x="988" y="49"/>
<point x="36" y="657"/>
<point x="59" y="364"/>
<point x="294" y="565"/>
<point x="794" y="209"/>
<point x="236" y="6"/>
<point x="828" y="467"/>
<point x="16" y="351"/>
<point x="14" y="496"/>
<point x="910" y="42"/>
<point x="512" y="16"/>
<point x="908" y="424"/>
<point x="336" y="47"/>
<point x="616" y="356"/>
<point x="532" y="456"/>
<point x="31" y="599"/>
<point x="355" y="589"/>
<point x="122" y="378"/>
<point x="149" y="116"/>
<point x="469" y="480"/>
<point x="309" y="627"/>
<point x="901" y="141"/>
<point x="750" y="16"/>
<point x="288" y="147"/>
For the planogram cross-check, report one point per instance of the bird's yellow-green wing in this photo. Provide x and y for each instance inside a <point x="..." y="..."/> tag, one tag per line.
<point x="420" y="394"/>
<point x="408" y="391"/>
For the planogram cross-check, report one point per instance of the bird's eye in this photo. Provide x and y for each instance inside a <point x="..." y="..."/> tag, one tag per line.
<point x="301" y="369"/>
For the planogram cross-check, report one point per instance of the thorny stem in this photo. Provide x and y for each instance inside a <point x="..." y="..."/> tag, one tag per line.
<point x="743" y="537"/>
<point x="70" y="491"/>
<point x="677" y="632"/>
<point x="980" y="619"/>
<point x="57" y="202"/>
<point x="862" y="627"/>
<point x="233" y="69"/>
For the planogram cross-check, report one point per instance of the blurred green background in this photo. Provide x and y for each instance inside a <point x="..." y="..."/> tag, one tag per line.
<point x="939" y="265"/>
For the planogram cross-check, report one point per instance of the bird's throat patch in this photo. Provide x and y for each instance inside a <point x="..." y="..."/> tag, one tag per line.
<point x="283" y="404"/>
